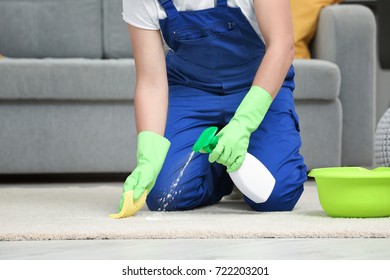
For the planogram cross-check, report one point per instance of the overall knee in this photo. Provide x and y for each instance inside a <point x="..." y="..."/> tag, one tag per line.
<point x="157" y="201"/>
<point x="176" y="198"/>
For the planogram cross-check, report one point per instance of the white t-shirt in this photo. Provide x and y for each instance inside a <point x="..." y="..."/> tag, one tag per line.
<point x="145" y="14"/>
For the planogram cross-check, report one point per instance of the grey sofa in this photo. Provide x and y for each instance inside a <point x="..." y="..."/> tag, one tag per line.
<point x="67" y="88"/>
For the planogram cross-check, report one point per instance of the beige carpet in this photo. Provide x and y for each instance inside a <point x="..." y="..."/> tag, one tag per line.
<point x="80" y="211"/>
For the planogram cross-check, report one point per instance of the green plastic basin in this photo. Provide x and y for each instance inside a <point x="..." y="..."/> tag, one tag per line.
<point x="353" y="192"/>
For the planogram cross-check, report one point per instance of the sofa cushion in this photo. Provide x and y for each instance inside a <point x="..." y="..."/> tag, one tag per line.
<point x="67" y="79"/>
<point x="67" y="137"/>
<point x="56" y="28"/>
<point x="321" y="124"/>
<point x="316" y="79"/>
<point x="116" y="36"/>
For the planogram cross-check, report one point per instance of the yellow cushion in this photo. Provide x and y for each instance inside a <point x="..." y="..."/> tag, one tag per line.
<point x="305" y="19"/>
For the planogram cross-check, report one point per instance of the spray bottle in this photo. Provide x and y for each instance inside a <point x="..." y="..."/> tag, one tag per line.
<point x="253" y="179"/>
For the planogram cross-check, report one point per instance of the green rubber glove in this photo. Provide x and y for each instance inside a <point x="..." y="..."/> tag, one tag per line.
<point x="151" y="152"/>
<point x="234" y="137"/>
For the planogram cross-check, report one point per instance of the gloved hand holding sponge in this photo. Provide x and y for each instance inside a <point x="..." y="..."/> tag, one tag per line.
<point x="151" y="152"/>
<point x="230" y="150"/>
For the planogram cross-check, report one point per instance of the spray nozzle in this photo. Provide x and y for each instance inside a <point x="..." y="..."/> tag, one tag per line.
<point x="206" y="141"/>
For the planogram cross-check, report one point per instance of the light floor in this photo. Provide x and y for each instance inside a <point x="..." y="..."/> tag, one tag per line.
<point x="199" y="249"/>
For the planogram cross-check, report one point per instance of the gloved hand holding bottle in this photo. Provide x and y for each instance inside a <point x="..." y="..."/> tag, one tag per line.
<point x="151" y="152"/>
<point x="234" y="137"/>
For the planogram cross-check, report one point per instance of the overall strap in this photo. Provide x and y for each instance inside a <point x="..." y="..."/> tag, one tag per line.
<point x="169" y="8"/>
<point x="221" y="3"/>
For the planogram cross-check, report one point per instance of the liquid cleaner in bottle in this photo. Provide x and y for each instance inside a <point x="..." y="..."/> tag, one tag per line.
<point x="253" y="179"/>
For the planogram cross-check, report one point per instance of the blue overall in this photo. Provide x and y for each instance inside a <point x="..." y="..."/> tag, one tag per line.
<point x="213" y="58"/>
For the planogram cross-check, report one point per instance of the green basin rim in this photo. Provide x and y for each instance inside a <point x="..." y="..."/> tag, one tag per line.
<point x="351" y="172"/>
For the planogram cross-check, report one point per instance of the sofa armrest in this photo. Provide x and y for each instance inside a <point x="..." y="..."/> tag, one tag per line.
<point x="346" y="35"/>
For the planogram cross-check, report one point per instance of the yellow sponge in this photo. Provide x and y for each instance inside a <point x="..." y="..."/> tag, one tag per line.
<point x="130" y="207"/>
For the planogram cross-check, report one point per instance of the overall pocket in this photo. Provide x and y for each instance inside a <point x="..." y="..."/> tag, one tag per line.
<point x="215" y="46"/>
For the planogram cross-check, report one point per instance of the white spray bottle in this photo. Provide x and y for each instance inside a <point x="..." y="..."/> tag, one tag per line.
<point x="253" y="179"/>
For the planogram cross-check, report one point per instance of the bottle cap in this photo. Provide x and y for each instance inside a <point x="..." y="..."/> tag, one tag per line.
<point x="206" y="141"/>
